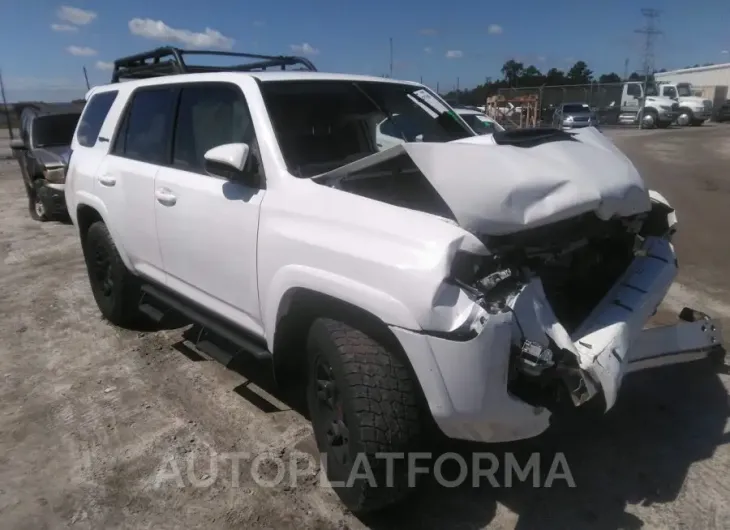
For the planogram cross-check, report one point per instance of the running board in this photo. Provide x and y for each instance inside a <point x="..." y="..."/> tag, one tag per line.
<point x="239" y="340"/>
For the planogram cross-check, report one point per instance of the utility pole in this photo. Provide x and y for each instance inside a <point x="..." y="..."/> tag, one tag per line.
<point x="5" y="106"/>
<point x="391" y="57"/>
<point x="650" y="33"/>
<point x="86" y="77"/>
<point x="437" y="88"/>
<point x="626" y="69"/>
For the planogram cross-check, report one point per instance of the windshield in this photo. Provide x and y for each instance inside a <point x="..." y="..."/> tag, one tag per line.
<point x="322" y="125"/>
<point x="651" y="90"/>
<point x="685" y="91"/>
<point x="575" y="108"/>
<point x="481" y="124"/>
<point x="55" y="130"/>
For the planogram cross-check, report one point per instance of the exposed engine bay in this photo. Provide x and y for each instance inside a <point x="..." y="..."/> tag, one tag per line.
<point x="579" y="258"/>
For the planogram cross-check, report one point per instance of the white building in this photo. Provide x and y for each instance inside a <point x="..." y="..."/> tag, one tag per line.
<point x="702" y="76"/>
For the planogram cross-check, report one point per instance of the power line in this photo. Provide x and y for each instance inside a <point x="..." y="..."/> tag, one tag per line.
<point x="650" y="33"/>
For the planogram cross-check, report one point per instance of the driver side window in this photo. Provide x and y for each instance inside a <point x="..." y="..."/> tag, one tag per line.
<point x="210" y="115"/>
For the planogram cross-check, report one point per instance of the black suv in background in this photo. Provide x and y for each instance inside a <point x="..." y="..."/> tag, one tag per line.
<point x="43" y="151"/>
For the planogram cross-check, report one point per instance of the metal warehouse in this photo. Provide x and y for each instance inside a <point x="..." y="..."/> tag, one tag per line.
<point x="717" y="74"/>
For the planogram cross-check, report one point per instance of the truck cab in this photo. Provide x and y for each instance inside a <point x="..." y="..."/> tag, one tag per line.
<point x="646" y="106"/>
<point x="693" y="110"/>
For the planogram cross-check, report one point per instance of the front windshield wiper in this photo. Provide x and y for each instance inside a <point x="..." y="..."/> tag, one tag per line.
<point x="385" y="111"/>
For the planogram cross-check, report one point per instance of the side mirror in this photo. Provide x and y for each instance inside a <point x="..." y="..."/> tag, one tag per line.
<point x="229" y="161"/>
<point x="17" y="144"/>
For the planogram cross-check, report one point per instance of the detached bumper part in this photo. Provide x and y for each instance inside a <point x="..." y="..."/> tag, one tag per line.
<point x="466" y="382"/>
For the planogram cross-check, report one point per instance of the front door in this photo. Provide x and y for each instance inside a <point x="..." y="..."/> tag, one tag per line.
<point x="207" y="225"/>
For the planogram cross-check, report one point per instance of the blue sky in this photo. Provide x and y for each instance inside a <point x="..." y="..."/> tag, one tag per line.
<point x="45" y="44"/>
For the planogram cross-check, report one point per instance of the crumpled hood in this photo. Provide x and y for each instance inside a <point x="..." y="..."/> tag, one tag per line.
<point x="497" y="189"/>
<point x="53" y="156"/>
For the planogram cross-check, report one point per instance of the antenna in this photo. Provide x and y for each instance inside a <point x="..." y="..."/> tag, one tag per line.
<point x="650" y="33"/>
<point x="86" y="77"/>
<point x="391" y="57"/>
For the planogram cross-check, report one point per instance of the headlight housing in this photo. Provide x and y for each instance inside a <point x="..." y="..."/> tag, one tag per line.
<point x="55" y="175"/>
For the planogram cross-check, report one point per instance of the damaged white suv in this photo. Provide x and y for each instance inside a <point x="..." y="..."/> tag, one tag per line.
<point x="482" y="282"/>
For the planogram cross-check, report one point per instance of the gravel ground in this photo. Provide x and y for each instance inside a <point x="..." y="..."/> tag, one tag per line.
<point x="95" y="419"/>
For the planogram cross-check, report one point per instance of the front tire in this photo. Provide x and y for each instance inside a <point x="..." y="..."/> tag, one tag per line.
<point x="362" y="402"/>
<point x="697" y="122"/>
<point x="648" y="119"/>
<point x="36" y="208"/>
<point x="115" y="289"/>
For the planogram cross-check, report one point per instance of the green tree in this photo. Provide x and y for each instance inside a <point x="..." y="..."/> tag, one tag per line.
<point x="512" y="71"/>
<point x="580" y="74"/>
<point x="610" y="78"/>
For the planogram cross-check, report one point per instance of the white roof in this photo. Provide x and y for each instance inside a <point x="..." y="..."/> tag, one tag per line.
<point x="262" y="76"/>
<point x="692" y="70"/>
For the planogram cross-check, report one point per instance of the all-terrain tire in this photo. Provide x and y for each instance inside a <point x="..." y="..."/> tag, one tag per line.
<point x="36" y="208"/>
<point x="376" y="399"/>
<point x="116" y="290"/>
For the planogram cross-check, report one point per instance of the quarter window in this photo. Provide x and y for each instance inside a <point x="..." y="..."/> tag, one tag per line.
<point x="93" y="117"/>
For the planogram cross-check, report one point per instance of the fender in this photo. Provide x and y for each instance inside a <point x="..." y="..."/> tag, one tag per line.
<point x="84" y="198"/>
<point x="290" y="277"/>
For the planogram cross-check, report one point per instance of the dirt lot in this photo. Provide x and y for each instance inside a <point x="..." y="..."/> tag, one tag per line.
<point x="91" y="414"/>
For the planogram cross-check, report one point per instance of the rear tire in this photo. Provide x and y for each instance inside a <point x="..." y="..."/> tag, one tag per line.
<point x="362" y="401"/>
<point x="115" y="289"/>
<point x="697" y="123"/>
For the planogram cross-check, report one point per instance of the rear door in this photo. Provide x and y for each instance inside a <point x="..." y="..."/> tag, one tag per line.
<point x="89" y="147"/>
<point x="208" y="225"/>
<point x="126" y="178"/>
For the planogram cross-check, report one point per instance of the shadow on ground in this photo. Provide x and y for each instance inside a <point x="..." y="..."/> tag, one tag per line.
<point x="639" y="453"/>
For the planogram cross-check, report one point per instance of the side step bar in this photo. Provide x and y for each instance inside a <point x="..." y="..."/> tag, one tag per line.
<point x="238" y="339"/>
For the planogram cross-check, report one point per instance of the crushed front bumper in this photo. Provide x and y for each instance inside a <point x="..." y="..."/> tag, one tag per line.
<point x="53" y="198"/>
<point x="466" y="382"/>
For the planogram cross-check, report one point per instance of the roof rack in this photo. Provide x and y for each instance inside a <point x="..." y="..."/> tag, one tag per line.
<point x="169" y="61"/>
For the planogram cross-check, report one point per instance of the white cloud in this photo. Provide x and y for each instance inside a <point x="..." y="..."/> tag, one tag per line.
<point x="428" y="31"/>
<point x="259" y="23"/>
<point x="427" y="49"/>
<point x="63" y="27"/>
<point x="725" y="52"/>
<point x="304" y="48"/>
<point x="81" y="51"/>
<point x="541" y="58"/>
<point x="103" y="65"/>
<point x="454" y="54"/>
<point x="495" y="29"/>
<point x="158" y="30"/>
<point x="74" y="15"/>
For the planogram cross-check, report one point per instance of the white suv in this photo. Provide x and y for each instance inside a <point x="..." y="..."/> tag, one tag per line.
<point x="482" y="282"/>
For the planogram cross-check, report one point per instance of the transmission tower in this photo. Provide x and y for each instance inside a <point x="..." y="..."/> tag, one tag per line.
<point x="650" y="33"/>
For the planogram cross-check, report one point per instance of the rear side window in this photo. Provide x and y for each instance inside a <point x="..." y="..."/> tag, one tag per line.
<point x="93" y="117"/>
<point x="146" y="129"/>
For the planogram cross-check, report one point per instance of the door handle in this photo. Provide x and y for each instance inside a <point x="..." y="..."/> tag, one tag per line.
<point x="107" y="180"/>
<point x="165" y="197"/>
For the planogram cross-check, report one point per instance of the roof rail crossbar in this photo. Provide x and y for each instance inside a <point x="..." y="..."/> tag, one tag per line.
<point x="170" y="61"/>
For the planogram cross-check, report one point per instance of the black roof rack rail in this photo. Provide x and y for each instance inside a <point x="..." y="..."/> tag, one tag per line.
<point x="170" y="61"/>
